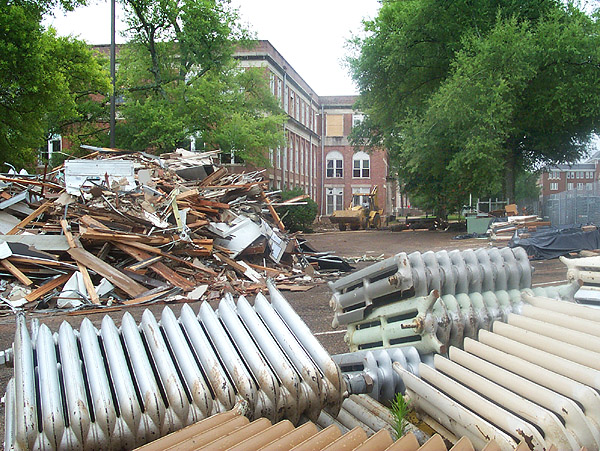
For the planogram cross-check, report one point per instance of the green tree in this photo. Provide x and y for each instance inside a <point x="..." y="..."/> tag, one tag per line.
<point x="179" y="79"/>
<point x="45" y="81"/>
<point x="477" y="96"/>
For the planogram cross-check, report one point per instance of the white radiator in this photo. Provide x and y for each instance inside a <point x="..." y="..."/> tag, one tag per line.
<point x="117" y="388"/>
<point x="535" y="379"/>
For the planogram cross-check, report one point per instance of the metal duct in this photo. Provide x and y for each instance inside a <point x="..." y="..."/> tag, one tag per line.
<point x="519" y="382"/>
<point x="117" y="388"/>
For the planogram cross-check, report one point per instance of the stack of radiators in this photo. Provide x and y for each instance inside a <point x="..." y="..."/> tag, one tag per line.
<point x="120" y="387"/>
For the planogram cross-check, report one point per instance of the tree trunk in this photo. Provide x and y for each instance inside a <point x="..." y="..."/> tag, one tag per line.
<point x="510" y="177"/>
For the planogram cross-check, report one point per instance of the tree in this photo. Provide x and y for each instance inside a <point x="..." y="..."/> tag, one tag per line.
<point x="45" y="81"/>
<point x="179" y="79"/>
<point x="492" y="104"/>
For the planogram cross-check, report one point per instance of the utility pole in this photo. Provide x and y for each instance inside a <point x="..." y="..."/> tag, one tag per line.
<point x="112" y="74"/>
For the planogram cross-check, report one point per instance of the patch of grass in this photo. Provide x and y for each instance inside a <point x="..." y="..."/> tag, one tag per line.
<point x="400" y="409"/>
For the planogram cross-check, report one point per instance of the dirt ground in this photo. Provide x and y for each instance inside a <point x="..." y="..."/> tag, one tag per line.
<point x="313" y="305"/>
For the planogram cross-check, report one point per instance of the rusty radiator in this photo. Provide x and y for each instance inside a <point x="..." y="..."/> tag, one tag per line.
<point x="418" y="274"/>
<point x="120" y="387"/>
<point x="434" y="300"/>
<point x="534" y="379"/>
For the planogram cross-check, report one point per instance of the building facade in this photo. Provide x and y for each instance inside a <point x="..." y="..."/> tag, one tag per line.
<point x="317" y="156"/>
<point x="563" y="177"/>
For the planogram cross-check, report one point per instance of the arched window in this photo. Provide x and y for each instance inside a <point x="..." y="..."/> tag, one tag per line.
<point x="335" y="165"/>
<point x="361" y="165"/>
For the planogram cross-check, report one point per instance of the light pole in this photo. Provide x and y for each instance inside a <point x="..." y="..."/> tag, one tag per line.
<point x="112" y="74"/>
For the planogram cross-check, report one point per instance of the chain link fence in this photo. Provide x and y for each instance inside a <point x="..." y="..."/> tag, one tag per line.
<point x="575" y="206"/>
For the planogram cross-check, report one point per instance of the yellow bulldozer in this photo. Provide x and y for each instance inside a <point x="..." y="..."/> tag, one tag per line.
<point x="362" y="213"/>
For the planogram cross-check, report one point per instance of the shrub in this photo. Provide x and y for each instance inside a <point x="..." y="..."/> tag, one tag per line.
<point x="297" y="217"/>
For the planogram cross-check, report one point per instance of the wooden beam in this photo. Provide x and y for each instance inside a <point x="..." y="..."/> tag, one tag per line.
<point x="274" y="214"/>
<point x="48" y="287"/>
<point x="16" y="272"/>
<point x="87" y="280"/>
<point x="116" y="277"/>
<point x="38" y="211"/>
<point x="160" y="268"/>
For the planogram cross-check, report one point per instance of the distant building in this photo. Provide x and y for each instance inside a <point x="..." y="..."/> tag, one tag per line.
<point x="563" y="177"/>
<point x="317" y="156"/>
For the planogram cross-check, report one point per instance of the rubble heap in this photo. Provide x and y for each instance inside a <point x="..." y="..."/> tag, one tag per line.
<point x="122" y="229"/>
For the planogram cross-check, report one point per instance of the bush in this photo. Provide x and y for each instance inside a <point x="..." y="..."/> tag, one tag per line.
<point x="297" y="217"/>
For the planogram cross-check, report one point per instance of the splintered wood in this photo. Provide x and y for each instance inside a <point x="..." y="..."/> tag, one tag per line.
<point x="138" y="230"/>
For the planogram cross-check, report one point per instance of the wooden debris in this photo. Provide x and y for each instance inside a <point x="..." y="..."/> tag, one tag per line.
<point x="150" y="238"/>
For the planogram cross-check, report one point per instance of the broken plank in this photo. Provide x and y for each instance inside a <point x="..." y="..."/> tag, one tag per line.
<point x="291" y="287"/>
<point x="214" y="176"/>
<point x="274" y="214"/>
<point x="38" y="211"/>
<point x="146" y="298"/>
<point x="16" y="272"/>
<point x="48" y="287"/>
<point x="88" y="311"/>
<point x="153" y="250"/>
<point x="144" y="263"/>
<point x="159" y="268"/>
<point x="87" y="280"/>
<point x="117" y="278"/>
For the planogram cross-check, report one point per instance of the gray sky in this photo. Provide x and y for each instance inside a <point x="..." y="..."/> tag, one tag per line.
<point x="310" y="34"/>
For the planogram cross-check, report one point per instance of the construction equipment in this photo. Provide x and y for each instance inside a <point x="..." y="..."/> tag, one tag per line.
<point x="362" y="213"/>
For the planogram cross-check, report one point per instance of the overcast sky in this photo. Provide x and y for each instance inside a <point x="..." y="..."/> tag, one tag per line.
<point x="310" y="34"/>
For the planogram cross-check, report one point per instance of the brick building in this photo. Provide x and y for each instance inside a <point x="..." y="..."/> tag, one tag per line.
<point x="563" y="177"/>
<point x="317" y="156"/>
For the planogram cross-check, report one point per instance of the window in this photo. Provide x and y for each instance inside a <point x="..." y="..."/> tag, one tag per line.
<point x="554" y="175"/>
<point x="296" y="155"/>
<point x="569" y="185"/>
<point x="301" y="151"/>
<point x="279" y="157"/>
<point x="271" y="156"/>
<point x="335" y="125"/>
<point x="335" y="165"/>
<point x="279" y="89"/>
<point x="53" y="145"/>
<point x="292" y="152"/>
<point x="361" y="165"/>
<point x="293" y="102"/>
<point x="297" y="111"/>
<point x="580" y="185"/>
<point x="363" y="199"/>
<point x="589" y="175"/>
<point x="589" y="186"/>
<point x="286" y="99"/>
<point x="230" y="157"/>
<point x="334" y="200"/>
<point x="357" y="119"/>
<point x="272" y="82"/>
<point x="554" y="186"/>
<point x="571" y="175"/>
<point x="302" y="112"/>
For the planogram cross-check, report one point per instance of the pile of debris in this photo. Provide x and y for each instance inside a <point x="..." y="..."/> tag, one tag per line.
<point x="117" y="228"/>
<point x="503" y="230"/>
